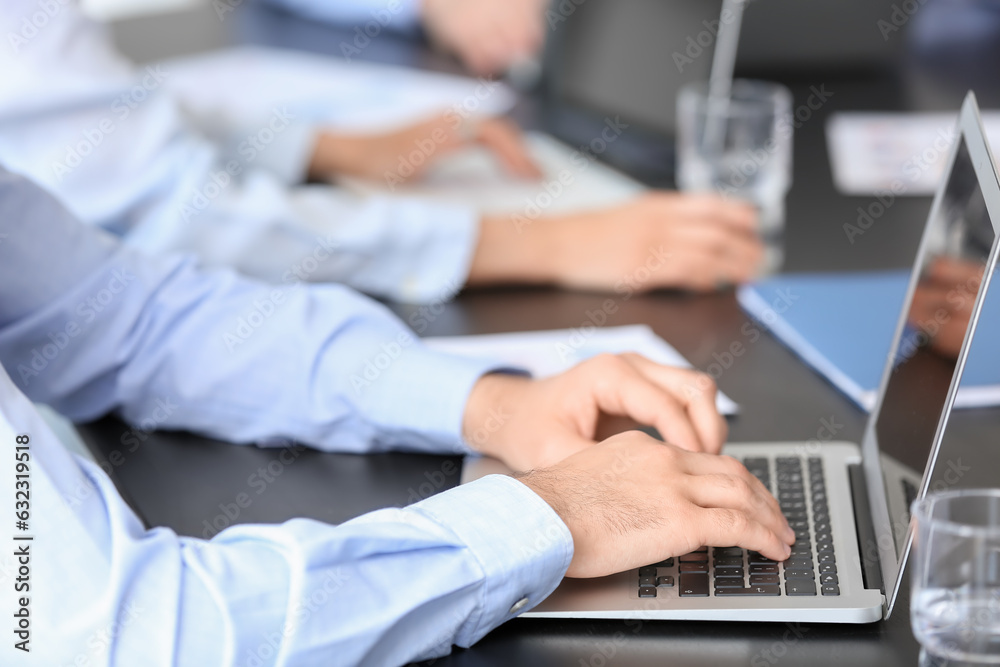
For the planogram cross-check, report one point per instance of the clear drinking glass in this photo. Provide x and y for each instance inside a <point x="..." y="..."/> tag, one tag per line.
<point x="740" y="148"/>
<point x="955" y="609"/>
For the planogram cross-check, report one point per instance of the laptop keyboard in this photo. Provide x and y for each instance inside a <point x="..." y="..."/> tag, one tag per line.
<point x="734" y="572"/>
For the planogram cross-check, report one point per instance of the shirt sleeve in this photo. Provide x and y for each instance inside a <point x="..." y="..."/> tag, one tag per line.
<point x="398" y="15"/>
<point x="115" y="147"/>
<point x="89" y="325"/>
<point x="389" y="587"/>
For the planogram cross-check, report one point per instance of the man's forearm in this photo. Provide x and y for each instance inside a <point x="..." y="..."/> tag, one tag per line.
<point x="299" y="593"/>
<point x="168" y="344"/>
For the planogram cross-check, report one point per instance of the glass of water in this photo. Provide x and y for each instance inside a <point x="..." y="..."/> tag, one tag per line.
<point x="739" y="147"/>
<point x="955" y="609"/>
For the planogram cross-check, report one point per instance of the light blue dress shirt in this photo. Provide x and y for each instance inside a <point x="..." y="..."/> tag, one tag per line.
<point x="396" y="14"/>
<point x="120" y="152"/>
<point x="88" y="326"/>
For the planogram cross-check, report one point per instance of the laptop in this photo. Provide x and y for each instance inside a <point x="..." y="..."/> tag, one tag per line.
<point x="848" y="503"/>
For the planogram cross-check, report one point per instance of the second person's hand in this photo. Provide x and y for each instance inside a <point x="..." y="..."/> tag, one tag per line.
<point x="398" y="157"/>
<point x="660" y="240"/>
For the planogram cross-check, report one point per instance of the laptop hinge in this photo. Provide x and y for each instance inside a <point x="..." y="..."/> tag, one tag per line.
<point x="871" y="569"/>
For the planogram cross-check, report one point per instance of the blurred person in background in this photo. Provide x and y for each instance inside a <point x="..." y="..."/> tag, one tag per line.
<point x="119" y="152"/>
<point x="488" y="36"/>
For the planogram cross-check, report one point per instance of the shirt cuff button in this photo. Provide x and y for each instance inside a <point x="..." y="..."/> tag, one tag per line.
<point x="519" y="605"/>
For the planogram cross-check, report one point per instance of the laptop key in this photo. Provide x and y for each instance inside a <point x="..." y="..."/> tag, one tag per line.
<point x="729" y="582"/>
<point x="648" y="571"/>
<point x="754" y="557"/>
<point x="799" y="574"/>
<point x="693" y="567"/>
<point x="763" y="569"/>
<point x="795" y="587"/>
<point x="647" y="581"/>
<point x="728" y="562"/>
<point x="647" y="591"/>
<point x="752" y="591"/>
<point x="827" y="558"/>
<point x="799" y="564"/>
<point x="667" y="562"/>
<point x="831" y="589"/>
<point x="693" y="584"/>
<point x="825" y="568"/>
<point x="828" y="579"/>
<point x="729" y="571"/>
<point x="758" y="579"/>
<point x="729" y="552"/>
<point x="694" y="558"/>
<point x="665" y="581"/>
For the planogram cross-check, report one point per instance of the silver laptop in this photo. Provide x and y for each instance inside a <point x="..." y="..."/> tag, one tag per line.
<point x="847" y="503"/>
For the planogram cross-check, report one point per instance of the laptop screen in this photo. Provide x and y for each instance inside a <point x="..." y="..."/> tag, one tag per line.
<point x="954" y="256"/>
<point x="947" y="314"/>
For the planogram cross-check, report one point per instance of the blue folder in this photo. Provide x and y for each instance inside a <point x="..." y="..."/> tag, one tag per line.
<point x="842" y="325"/>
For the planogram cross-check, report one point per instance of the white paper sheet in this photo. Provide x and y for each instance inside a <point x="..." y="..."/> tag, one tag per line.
<point x="241" y="86"/>
<point x="547" y="353"/>
<point x="899" y="153"/>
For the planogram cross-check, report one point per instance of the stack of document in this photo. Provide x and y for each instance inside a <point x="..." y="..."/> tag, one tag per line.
<point x="843" y="325"/>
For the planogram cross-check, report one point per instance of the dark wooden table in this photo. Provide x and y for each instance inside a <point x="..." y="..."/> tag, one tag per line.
<point x="191" y="484"/>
